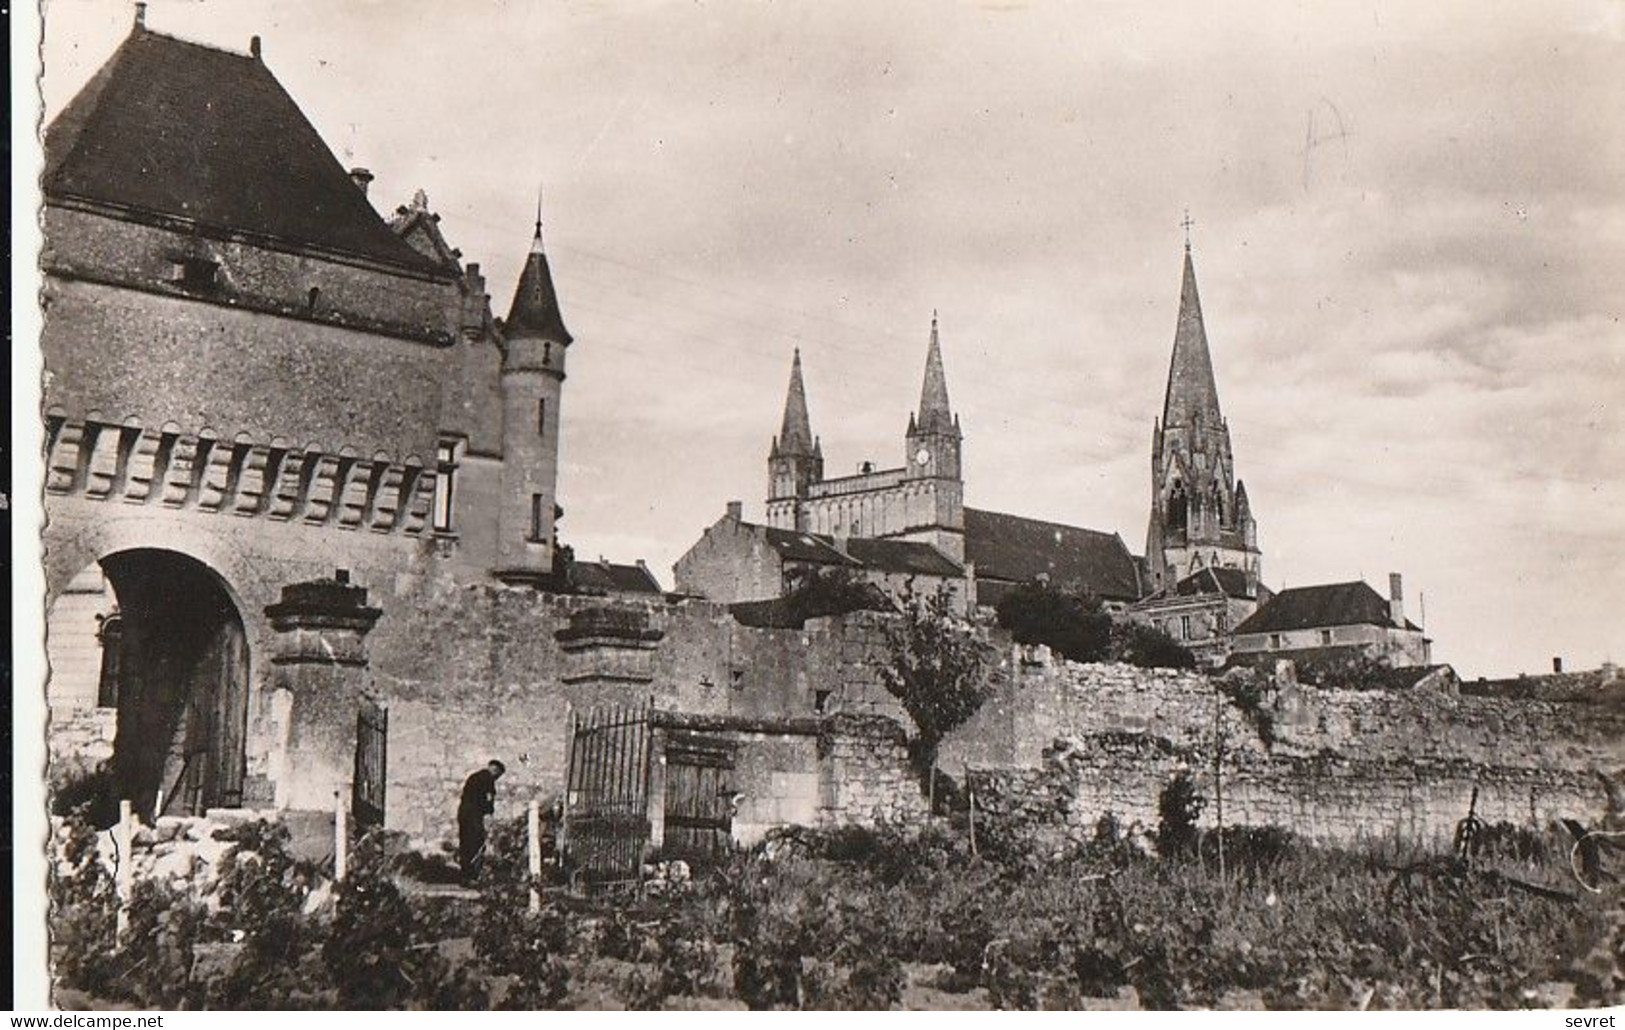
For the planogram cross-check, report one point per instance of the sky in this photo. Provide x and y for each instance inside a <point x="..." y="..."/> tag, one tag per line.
<point x="1409" y="233"/>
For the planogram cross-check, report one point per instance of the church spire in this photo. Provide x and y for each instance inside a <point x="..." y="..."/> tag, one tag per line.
<point x="935" y="414"/>
<point x="1191" y="388"/>
<point x="795" y="434"/>
<point x="535" y="312"/>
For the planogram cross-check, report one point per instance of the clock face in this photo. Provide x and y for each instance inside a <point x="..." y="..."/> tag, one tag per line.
<point x="923" y="457"/>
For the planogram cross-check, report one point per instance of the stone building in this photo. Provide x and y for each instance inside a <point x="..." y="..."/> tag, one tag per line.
<point x="902" y="523"/>
<point x="737" y="561"/>
<point x="253" y="381"/>
<point x="1202" y="610"/>
<point x="1333" y="621"/>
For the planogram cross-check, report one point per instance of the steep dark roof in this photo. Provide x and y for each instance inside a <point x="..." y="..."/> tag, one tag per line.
<point x="1314" y="607"/>
<point x="535" y="311"/>
<point x="809" y="547"/>
<point x="911" y="557"/>
<point x="612" y="578"/>
<point x="188" y="131"/>
<point x="1229" y="582"/>
<point x="1191" y="389"/>
<point x="1018" y="550"/>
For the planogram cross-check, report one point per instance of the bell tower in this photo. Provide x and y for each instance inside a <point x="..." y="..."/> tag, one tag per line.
<point x="1200" y="514"/>
<point x="934" y="485"/>
<point x="796" y="460"/>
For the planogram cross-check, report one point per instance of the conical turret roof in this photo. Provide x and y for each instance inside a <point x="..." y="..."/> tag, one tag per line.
<point x="535" y="312"/>
<point x="1191" y="389"/>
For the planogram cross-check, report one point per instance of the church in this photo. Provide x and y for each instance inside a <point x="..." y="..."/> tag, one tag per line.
<point x="1198" y="578"/>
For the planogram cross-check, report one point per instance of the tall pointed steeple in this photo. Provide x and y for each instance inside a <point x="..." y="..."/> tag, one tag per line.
<point x="795" y="432"/>
<point x="535" y="312"/>
<point x="1200" y="516"/>
<point x="935" y="414"/>
<point x="1191" y="388"/>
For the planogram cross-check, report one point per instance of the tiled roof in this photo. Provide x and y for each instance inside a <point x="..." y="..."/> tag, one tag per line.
<point x="809" y="547"/>
<point x="1019" y="550"/>
<point x="535" y="312"/>
<point x="906" y="556"/>
<point x="1229" y="582"/>
<point x="612" y="578"/>
<point x="1314" y="607"/>
<point x="188" y="131"/>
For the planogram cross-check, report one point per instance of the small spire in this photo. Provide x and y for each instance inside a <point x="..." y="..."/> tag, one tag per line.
<point x="935" y="412"/>
<point x="140" y="15"/>
<point x="1186" y="224"/>
<point x="795" y="432"/>
<point x="536" y="241"/>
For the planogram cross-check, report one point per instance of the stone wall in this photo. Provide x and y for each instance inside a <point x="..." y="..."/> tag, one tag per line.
<point x="1338" y="765"/>
<point x="1327" y="799"/>
<point x="869" y="781"/>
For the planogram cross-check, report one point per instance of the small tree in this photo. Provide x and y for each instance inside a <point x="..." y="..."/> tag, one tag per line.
<point x="821" y="592"/>
<point x="1148" y="647"/>
<point x="934" y="666"/>
<point x="1178" y="808"/>
<point x="1073" y="626"/>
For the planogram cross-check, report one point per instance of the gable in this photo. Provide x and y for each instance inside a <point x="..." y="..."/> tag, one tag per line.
<point x="191" y="132"/>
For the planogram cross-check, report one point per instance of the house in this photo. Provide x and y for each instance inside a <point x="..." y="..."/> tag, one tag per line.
<point x="1201" y="610"/>
<point x="1333" y="621"/>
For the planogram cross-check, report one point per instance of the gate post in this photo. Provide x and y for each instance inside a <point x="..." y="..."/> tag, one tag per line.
<point x="319" y="663"/>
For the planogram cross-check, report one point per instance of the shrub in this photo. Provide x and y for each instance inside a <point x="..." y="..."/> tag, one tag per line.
<point x="1148" y="647"/>
<point x="528" y="948"/>
<point x="1179" y="806"/>
<point x="84" y="906"/>
<point x="1071" y="625"/>
<point x="78" y="787"/>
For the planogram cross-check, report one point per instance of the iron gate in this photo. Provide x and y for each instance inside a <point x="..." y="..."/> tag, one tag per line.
<point x="606" y="809"/>
<point x="371" y="764"/>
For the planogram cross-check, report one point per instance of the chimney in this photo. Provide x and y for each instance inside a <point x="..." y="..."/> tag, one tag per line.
<point x="254" y="47"/>
<point x="140" y="16"/>
<point x="736" y="511"/>
<point x="362" y="179"/>
<point x="1557" y="664"/>
<point x="1396" y="600"/>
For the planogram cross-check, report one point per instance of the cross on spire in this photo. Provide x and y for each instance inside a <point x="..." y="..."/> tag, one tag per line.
<point x="1186" y="224"/>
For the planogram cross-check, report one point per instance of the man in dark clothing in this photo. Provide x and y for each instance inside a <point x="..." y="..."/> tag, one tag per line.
<point x="478" y="801"/>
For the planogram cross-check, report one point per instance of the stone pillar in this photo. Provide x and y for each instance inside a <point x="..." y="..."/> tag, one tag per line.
<point x="609" y="647"/>
<point x="319" y="668"/>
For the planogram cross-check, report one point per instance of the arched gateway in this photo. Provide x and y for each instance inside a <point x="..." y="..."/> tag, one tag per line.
<point x="174" y="669"/>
